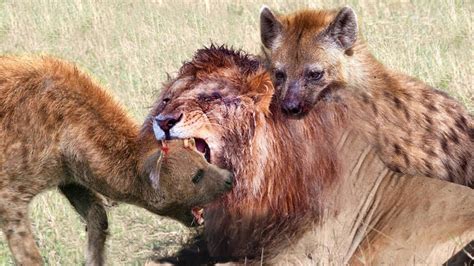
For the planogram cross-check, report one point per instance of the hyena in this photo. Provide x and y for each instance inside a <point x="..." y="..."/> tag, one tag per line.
<point x="316" y="55"/>
<point x="60" y="129"/>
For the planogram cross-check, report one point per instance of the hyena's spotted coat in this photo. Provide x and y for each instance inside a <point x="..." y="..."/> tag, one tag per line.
<point x="316" y="55"/>
<point x="60" y="129"/>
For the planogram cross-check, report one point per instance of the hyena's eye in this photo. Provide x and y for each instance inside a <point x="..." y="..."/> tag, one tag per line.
<point x="198" y="176"/>
<point x="280" y="76"/>
<point x="314" y="75"/>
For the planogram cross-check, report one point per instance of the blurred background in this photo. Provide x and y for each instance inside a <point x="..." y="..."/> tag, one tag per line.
<point x="129" y="46"/>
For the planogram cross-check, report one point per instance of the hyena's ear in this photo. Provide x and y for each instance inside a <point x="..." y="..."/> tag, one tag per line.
<point x="270" y="27"/>
<point x="261" y="90"/>
<point x="155" y="176"/>
<point x="343" y="29"/>
<point x="152" y="168"/>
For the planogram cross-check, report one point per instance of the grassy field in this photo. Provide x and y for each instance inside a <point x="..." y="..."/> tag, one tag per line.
<point x="130" y="46"/>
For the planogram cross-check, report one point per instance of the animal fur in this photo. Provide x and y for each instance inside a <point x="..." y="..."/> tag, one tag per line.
<point x="316" y="56"/>
<point x="60" y="129"/>
<point x="289" y="173"/>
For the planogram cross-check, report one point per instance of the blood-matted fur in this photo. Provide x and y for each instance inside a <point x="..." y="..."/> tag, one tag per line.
<point x="280" y="165"/>
<point x="296" y="199"/>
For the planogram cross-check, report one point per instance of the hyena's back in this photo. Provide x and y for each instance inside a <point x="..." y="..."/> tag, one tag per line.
<point x="42" y="102"/>
<point x="53" y="120"/>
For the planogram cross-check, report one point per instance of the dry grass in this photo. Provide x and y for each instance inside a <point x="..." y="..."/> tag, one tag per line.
<point x="130" y="45"/>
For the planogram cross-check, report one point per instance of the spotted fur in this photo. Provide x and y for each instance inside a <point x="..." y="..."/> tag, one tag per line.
<point x="316" y="56"/>
<point x="60" y="129"/>
<point x="306" y="191"/>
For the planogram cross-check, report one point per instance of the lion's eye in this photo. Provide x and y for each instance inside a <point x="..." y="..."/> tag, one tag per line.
<point x="314" y="75"/>
<point x="209" y="97"/>
<point x="216" y="95"/>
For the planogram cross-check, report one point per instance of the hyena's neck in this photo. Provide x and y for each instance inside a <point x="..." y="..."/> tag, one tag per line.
<point x="114" y="159"/>
<point x="417" y="129"/>
<point x="365" y="76"/>
<point x="380" y="96"/>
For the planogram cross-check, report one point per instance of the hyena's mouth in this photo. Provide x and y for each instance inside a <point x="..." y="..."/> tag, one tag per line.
<point x="198" y="215"/>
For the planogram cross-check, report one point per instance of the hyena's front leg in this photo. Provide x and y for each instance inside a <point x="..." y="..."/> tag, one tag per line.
<point x="90" y="207"/>
<point x="17" y="229"/>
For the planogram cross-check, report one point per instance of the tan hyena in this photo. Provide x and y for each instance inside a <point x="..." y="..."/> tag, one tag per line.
<point x="59" y="129"/>
<point x="316" y="55"/>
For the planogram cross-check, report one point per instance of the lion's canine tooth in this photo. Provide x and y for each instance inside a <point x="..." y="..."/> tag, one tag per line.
<point x="190" y="143"/>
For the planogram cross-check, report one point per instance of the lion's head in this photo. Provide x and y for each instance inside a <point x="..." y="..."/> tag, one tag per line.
<point x="217" y="96"/>
<point x="222" y="98"/>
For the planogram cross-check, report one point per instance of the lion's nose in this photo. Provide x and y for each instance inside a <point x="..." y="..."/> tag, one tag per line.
<point x="166" y="122"/>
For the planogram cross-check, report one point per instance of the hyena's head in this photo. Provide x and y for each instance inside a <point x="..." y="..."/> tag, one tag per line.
<point x="306" y="51"/>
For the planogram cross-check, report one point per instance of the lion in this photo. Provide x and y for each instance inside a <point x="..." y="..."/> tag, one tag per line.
<point x="60" y="129"/>
<point x="305" y="191"/>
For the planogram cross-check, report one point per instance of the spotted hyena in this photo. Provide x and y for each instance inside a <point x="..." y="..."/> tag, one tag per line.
<point x="317" y="55"/>
<point x="59" y="129"/>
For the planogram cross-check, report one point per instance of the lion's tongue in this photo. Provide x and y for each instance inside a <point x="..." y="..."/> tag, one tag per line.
<point x="198" y="215"/>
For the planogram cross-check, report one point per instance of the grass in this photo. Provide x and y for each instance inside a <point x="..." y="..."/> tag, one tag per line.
<point x="130" y="46"/>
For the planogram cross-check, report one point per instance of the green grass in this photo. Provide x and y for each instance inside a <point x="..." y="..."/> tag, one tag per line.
<point x="130" y="46"/>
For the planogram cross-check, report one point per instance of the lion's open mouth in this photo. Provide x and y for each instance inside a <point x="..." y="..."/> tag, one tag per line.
<point x="201" y="146"/>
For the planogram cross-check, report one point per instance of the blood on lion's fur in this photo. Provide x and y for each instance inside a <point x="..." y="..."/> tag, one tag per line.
<point x="281" y="166"/>
<point x="306" y="191"/>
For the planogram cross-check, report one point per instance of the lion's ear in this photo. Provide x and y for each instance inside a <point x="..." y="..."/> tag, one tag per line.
<point x="261" y="90"/>
<point x="270" y="27"/>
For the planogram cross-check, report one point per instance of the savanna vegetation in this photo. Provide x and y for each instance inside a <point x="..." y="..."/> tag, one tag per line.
<point x="129" y="46"/>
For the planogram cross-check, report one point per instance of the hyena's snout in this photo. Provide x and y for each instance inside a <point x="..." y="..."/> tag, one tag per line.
<point x="222" y="177"/>
<point x="293" y="103"/>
